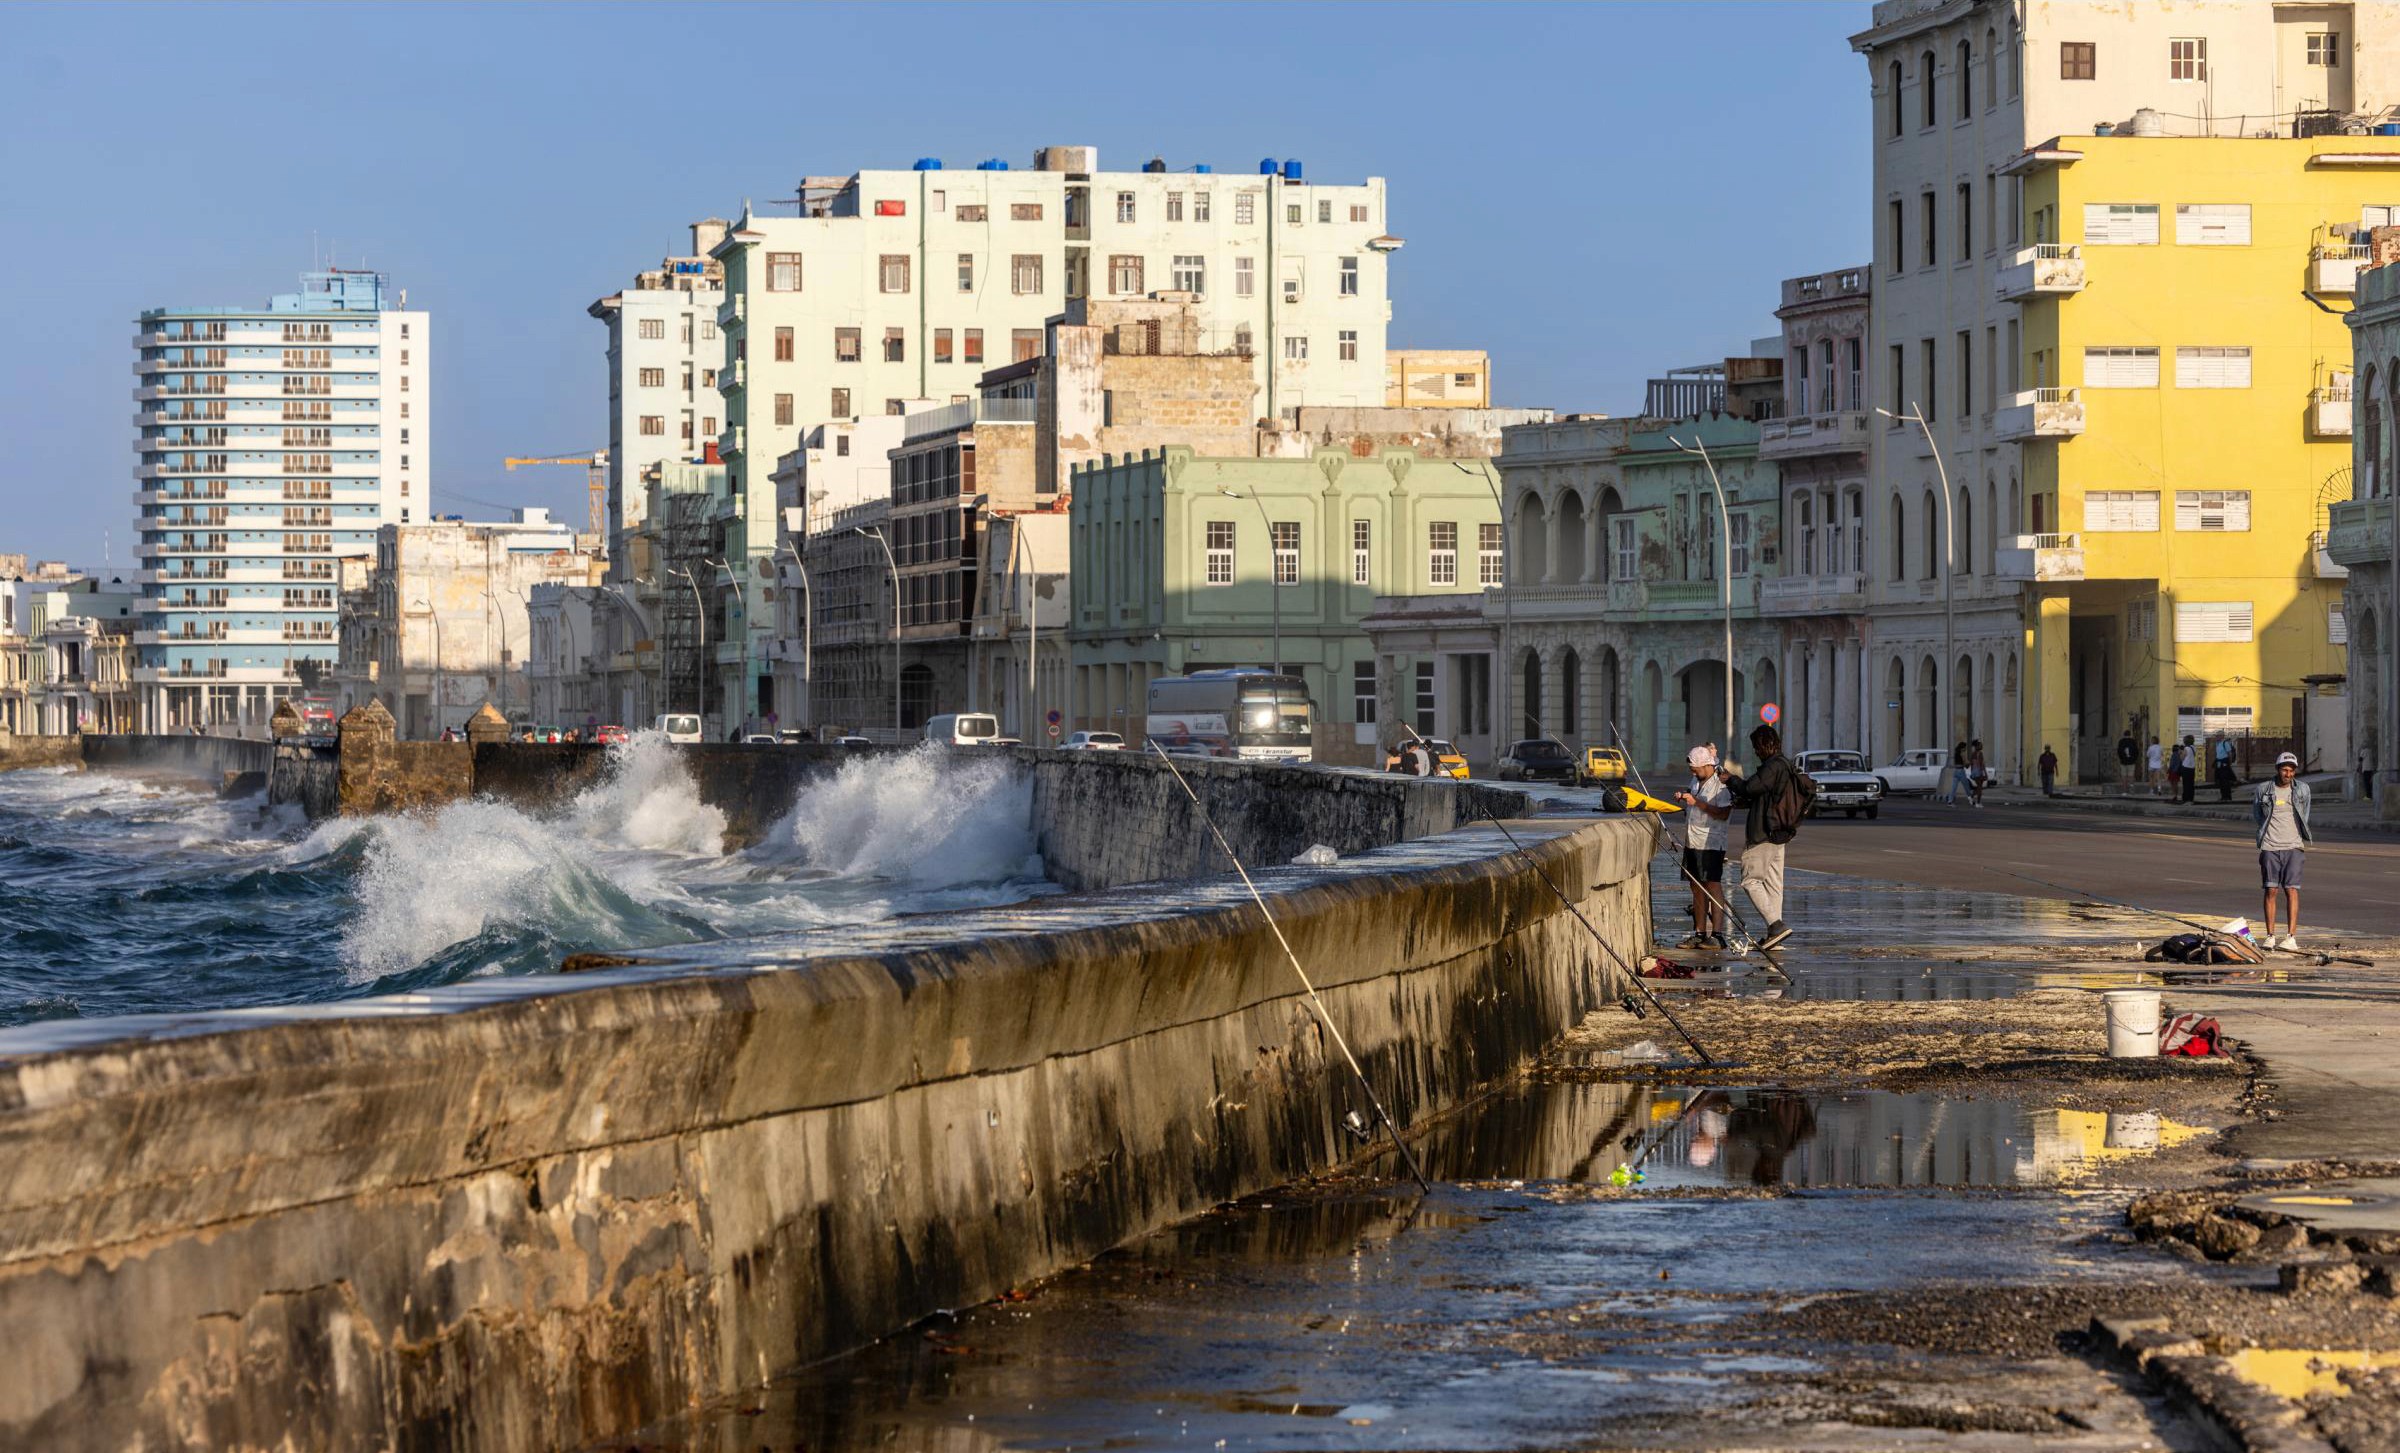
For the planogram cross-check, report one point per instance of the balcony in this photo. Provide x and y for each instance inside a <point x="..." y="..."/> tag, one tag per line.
<point x="2044" y="270"/>
<point x="733" y="310"/>
<point x="2040" y="559"/>
<point x="2333" y="267"/>
<point x="1799" y="595"/>
<point x="950" y="418"/>
<point x="1839" y="432"/>
<point x="2359" y="532"/>
<point x="2329" y="410"/>
<point x="2041" y="413"/>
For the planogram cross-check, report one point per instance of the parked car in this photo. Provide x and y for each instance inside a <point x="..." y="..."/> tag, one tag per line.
<point x="759" y="739"/>
<point x="1919" y="769"/>
<point x="680" y="727"/>
<point x="963" y="728"/>
<point x="853" y="742"/>
<point x="1537" y="759"/>
<point x="611" y="736"/>
<point x="1093" y="742"/>
<point x="1843" y="781"/>
<point x="1446" y="759"/>
<point x="1603" y="767"/>
<point x="1004" y="741"/>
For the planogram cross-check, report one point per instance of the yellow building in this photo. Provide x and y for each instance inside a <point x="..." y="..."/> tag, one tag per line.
<point x="2181" y="394"/>
<point x="1437" y="378"/>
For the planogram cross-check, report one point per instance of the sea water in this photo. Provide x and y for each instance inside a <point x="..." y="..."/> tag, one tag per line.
<point x="121" y="895"/>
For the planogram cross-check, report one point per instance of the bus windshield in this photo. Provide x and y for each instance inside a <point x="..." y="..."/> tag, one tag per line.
<point x="1272" y="714"/>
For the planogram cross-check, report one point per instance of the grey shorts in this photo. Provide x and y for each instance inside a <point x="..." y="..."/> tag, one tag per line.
<point x="2280" y="868"/>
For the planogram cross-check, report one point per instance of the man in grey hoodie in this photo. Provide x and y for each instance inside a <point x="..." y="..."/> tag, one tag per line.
<point x="2279" y="809"/>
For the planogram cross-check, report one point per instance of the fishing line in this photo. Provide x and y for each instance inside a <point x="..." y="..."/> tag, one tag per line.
<point x="2208" y="932"/>
<point x="1721" y="898"/>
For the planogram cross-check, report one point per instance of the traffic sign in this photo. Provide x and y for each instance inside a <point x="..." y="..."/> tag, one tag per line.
<point x="1054" y="728"/>
<point x="1770" y="713"/>
<point x="1053" y="718"/>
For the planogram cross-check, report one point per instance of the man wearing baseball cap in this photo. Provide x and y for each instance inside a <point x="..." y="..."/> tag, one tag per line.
<point x="1706" y="806"/>
<point x="2280" y="810"/>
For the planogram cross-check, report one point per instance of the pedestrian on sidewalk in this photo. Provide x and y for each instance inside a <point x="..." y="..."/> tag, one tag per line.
<point x="1777" y="797"/>
<point x="1707" y="805"/>
<point x="2225" y="776"/>
<point x="1979" y="772"/>
<point x="2049" y="765"/>
<point x="2280" y="810"/>
<point x="2129" y="756"/>
<point x="2157" y="760"/>
<point x="2187" y="768"/>
<point x="1954" y="775"/>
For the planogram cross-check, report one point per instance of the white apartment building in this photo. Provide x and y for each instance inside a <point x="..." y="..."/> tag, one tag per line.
<point x="1962" y="88"/>
<point x="838" y="465"/>
<point x="663" y="357"/>
<point x="272" y="441"/>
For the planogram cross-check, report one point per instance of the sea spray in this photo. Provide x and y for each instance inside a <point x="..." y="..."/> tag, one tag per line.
<point x="648" y="801"/>
<point x="937" y="817"/>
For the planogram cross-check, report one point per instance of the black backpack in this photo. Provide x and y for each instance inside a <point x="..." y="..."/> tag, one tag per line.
<point x="1788" y="808"/>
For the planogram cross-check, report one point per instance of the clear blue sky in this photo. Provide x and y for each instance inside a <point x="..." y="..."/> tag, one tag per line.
<point x="1592" y="193"/>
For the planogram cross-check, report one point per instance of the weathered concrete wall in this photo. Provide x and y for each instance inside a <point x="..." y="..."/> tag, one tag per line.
<point x="306" y="774"/>
<point x="1105" y="818"/>
<point x="477" y="1219"/>
<point x="209" y="760"/>
<point x="19" y="752"/>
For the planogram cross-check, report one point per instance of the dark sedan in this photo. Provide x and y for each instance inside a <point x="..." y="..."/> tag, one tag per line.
<point x="1537" y="760"/>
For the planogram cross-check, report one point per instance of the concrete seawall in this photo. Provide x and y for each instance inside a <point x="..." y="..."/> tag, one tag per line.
<point x="538" y="1212"/>
<point x="20" y="752"/>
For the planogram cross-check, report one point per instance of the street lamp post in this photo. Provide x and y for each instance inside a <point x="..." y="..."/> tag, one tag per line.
<point x="435" y="617"/>
<point x="894" y="566"/>
<point x="706" y="665"/>
<point x="1274" y="571"/>
<point x="1508" y="609"/>
<point x="1699" y="446"/>
<point x="808" y="608"/>
<point x="1916" y="415"/>
<point x="700" y="620"/>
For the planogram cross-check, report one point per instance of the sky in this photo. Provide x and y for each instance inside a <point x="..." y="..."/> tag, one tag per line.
<point x="1592" y="193"/>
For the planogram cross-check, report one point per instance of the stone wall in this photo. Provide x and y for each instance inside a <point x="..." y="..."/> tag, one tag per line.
<point x="21" y="751"/>
<point x="211" y="761"/>
<point x="511" y="1214"/>
<point x="308" y="775"/>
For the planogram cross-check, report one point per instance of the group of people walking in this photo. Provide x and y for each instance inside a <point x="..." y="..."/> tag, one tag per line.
<point x="2175" y="771"/>
<point x="1969" y="770"/>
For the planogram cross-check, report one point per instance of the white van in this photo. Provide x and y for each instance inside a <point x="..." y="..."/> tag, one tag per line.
<point x="680" y="727"/>
<point x="963" y="728"/>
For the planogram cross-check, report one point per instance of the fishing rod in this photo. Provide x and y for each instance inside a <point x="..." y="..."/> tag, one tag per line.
<point x="2321" y="958"/>
<point x="1315" y="1001"/>
<point x="1658" y="834"/>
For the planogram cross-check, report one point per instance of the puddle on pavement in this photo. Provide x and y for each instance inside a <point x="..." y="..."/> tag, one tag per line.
<point x="2296" y="1373"/>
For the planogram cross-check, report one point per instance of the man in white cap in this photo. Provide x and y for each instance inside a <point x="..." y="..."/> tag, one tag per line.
<point x="1706" y="806"/>
<point x="2280" y="811"/>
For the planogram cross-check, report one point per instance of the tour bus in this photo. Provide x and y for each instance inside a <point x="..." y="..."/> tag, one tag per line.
<point x="1244" y="712"/>
<point x="963" y="728"/>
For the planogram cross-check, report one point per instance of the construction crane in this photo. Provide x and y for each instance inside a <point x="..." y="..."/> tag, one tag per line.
<point x="595" y="464"/>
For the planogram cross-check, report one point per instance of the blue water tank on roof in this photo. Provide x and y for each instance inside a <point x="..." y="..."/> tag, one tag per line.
<point x="929" y="164"/>
<point x="993" y="165"/>
<point x="1203" y="168"/>
<point x="1291" y="170"/>
<point x="1266" y="166"/>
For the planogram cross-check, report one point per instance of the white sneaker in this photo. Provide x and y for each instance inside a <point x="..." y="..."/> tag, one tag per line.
<point x="2285" y="942"/>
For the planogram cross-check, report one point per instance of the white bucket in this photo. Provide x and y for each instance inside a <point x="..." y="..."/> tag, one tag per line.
<point x="2132" y="1023"/>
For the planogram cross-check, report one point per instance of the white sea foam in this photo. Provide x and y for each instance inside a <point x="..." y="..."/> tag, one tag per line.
<point x="648" y="801"/>
<point x="934" y="818"/>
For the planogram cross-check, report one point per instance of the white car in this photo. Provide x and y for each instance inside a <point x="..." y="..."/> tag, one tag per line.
<point x="1093" y="742"/>
<point x="758" y="739"/>
<point x="1919" y="769"/>
<point x="1843" y="781"/>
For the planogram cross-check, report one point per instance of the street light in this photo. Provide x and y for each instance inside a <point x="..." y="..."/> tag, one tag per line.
<point x="700" y="614"/>
<point x="435" y="617"/>
<point x="1916" y="415"/>
<point x="633" y="608"/>
<point x="1508" y="607"/>
<point x="1699" y="446"/>
<point x="1274" y="570"/>
<point x="706" y="664"/>
<point x="894" y="565"/>
<point x="808" y="606"/>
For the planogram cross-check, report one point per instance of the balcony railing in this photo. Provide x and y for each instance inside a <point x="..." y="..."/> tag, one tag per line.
<point x="2359" y="532"/>
<point x="952" y="417"/>
<point x="2040" y="559"/>
<point x="2041" y="413"/>
<point x="2333" y="267"/>
<point x="1813" y="594"/>
<point x="732" y="311"/>
<point x="2044" y="270"/>
<point x="2329" y="410"/>
<point x="1839" y="432"/>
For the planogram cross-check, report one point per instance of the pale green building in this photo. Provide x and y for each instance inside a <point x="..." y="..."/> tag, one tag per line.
<point x="1171" y="572"/>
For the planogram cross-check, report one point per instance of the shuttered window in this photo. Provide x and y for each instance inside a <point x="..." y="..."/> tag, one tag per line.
<point x="2120" y="509"/>
<point x="2120" y="368"/>
<point x="2212" y="509"/>
<point x="2337" y="627"/>
<point x="2214" y="721"/>
<point x="2213" y="621"/>
<point x="2141" y="621"/>
<point x="2212" y="224"/>
<point x="2371" y="216"/>
<point x="2120" y="224"/>
<point x="2212" y="368"/>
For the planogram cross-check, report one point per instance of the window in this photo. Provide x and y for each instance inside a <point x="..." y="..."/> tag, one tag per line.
<point x="1966" y="66"/>
<point x="1933" y="390"/>
<point x="1349" y="288"/>
<point x="2141" y="619"/>
<point x="1490" y="560"/>
<point x="1737" y="542"/>
<point x="2078" y="60"/>
<point x="2212" y="368"/>
<point x="1348" y="339"/>
<point x="1199" y="206"/>
<point x="2198" y="620"/>
<point x="941" y="345"/>
<point x="2325" y="49"/>
<point x="1174" y="206"/>
<point x="1245" y="277"/>
<point x="783" y="272"/>
<point x="1191" y="274"/>
<point x="2212" y="224"/>
<point x="1441" y="552"/>
<point x="1425" y="698"/>
<point x="891" y="208"/>
<point x="892" y="270"/>
<point x="971" y="346"/>
<point x="1899" y="539"/>
<point x="1362" y="692"/>
<point x="1025" y="273"/>
<point x="1295" y="348"/>
<point x="1362" y="551"/>
<point x="2211" y="721"/>
<point x="1124" y="274"/>
<point x="1462" y="380"/>
<point x="1966" y="372"/>
<point x="708" y="329"/>
<point x="1024" y="343"/>
<point x="1925" y="81"/>
<point x="966" y="272"/>
<point x="1899" y="228"/>
<point x="841" y="446"/>
<point x="1124" y="206"/>
<point x="1245" y="208"/>
<point x="845" y="345"/>
<point x="1024" y="212"/>
<point x="2187" y="60"/>
<point x="783" y="345"/>
<point x="1966" y="221"/>
<point x="654" y="378"/>
<point x="1220" y="552"/>
<point x="840" y="406"/>
<point x="895" y="407"/>
<point x="2337" y="626"/>
<point x="708" y="425"/>
<point x="972" y="212"/>
<point x="1891" y="88"/>
<point x="1293" y="214"/>
<point x="783" y="410"/>
<point x="1285" y="535"/>
<point x="2120" y="224"/>
<point x="654" y="424"/>
<point x="2120" y="368"/>
<point x="1899" y="368"/>
<point x="654" y="329"/>
<point x="941" y="200"/>
<point x="2120" y="511"/>
<point x="1291" y="279"/>
<point x="2212" y="509"/>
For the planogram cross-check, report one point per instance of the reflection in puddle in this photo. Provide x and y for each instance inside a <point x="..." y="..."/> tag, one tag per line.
<point x="2296" y="1373"/>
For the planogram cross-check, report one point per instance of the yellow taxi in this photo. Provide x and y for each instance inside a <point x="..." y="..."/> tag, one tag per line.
<point x="1603" y="766"/>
